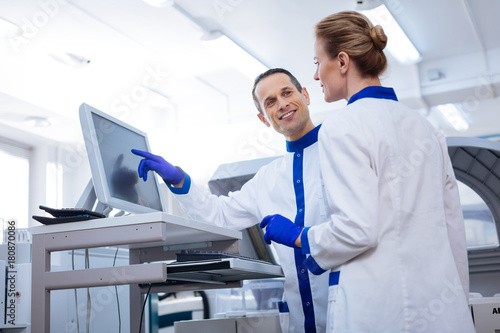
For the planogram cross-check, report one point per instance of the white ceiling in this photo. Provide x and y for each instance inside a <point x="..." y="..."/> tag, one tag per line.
<point x="148" y="66"/>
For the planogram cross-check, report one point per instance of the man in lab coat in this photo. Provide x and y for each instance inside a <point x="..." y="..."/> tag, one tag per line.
<point x="290" y="186"/>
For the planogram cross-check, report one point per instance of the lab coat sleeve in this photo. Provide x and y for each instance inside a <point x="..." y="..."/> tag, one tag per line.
<point x="348" y="167"/>
<point x="454" y="219"/>
<point x="236" y="211"/>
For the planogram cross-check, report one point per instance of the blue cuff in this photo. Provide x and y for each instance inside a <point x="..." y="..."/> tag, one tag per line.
<point x="283" y="307"/>
<point x="304" y="241"/>
<point x="185" y="187"/>
<point x="313" y="266"/>
<point x="333" y="279"/>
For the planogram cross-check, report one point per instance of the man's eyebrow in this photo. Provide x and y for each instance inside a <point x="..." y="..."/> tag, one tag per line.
<point x="271" y="97"/>
<point x="267" y="99"/>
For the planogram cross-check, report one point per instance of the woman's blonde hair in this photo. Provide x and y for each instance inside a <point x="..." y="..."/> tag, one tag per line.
<point x="353" y="33"/>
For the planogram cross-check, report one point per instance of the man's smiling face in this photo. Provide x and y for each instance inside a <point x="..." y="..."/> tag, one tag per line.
<point x="285" y="108"/>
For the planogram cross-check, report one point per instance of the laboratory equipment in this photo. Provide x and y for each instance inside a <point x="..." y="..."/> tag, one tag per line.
<point x="476" y="163"/>
<point x="486" y="314"/>
<point x="114" y="167"/>
<point x="189" y="255"/>
<point x="231" y="177"/>
<point x="152" y="236"/>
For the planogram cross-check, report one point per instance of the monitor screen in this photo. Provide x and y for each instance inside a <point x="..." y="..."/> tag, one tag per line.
<point x="113" y="166"/>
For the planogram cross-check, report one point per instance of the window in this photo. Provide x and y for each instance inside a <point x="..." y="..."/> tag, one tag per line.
<point x="14" y="182"/>
<point x="480" y="227"/>
<point x="54" y="186"/>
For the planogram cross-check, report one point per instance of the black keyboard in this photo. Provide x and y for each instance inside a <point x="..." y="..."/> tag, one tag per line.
<point x="63" y="219"/>
<point x="65" y="215"/>
<point x="192" y="255"/>
<point x="71" y="212"/>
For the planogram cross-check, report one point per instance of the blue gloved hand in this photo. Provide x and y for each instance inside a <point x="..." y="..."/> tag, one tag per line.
<point x="280" y="229"/>
<point x="170" y="174"/>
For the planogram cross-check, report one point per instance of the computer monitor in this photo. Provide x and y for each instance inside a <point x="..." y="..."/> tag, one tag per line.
<point x="113" y="166"/>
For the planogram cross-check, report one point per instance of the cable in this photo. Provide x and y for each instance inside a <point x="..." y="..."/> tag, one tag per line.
<point x="117" y="299"/>
<point x="166" y="295"/>
<point x="206" y="306"/>
<point x="143" y="306"/>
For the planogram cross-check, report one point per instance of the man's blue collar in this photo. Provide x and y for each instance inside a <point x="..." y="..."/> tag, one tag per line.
<point x="374" y="92"/>
<point x="303" y="142"/>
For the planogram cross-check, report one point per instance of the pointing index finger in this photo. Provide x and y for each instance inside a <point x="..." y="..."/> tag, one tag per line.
<point x="144" y="154"/>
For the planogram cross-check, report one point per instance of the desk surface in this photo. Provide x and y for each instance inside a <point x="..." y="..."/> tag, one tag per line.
<point x="177" y="229"/>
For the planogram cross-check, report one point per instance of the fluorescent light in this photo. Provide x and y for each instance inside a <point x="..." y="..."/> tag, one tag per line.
<point x="234" y="55"/>
<point x="159" y="3"/>
<point x="35" y="121"/>
<point x="70" y="59"/>
<point x="454" y="116"/>
<point x="398" y="44"/>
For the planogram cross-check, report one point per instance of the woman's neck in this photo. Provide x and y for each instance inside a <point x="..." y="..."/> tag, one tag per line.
<point x="358" y="84"/>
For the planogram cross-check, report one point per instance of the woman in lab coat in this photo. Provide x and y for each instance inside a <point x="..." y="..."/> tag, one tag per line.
<point x="395" y="243"/>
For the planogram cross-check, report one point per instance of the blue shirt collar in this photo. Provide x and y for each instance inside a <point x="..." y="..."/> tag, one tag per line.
<point x="303" y="142"/>
<point x="374" y="92"/>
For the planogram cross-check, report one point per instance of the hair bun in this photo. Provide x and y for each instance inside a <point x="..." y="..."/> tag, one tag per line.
<point x="378" y="37"/>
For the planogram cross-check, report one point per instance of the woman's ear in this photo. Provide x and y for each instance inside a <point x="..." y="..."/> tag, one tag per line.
<point x="344" y="61"/>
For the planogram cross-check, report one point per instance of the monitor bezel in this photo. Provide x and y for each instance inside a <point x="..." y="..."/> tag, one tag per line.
<point x="97" y="167"/>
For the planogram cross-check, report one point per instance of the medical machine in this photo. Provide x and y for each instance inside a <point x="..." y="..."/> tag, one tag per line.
<point x="231" y="177"/>
<point x="476" y="163"/>
<point x="486" y="314"/>
<point x="153" y="237"/>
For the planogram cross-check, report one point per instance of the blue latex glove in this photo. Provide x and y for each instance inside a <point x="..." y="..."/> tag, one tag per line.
<point x="280" y="229"/>
<point x="170" y="174"/>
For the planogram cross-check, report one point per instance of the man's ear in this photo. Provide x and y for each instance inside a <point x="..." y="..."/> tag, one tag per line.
<point x="263" y="119"/>
<point x="306" y="95"/>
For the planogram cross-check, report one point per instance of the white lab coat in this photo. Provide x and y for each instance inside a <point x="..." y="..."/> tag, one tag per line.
<point x="271" y="191"/>
<point x="397" y="233"/>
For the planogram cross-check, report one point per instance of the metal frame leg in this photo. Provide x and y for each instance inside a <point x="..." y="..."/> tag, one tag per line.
<point x="136" y="298"/>
<point x="40" y="297"/>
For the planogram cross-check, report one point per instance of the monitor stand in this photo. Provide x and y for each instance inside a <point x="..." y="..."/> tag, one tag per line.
<point x="88" y="200"/>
